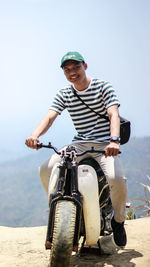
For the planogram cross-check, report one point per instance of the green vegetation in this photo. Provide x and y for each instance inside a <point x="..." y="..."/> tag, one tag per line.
<point x="23" y="201"/>
<point x="144" y="203"/>
<point x="130" y="214"/>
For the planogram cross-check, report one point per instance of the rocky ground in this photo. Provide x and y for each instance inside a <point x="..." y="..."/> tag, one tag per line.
<point x="24" y="247"/>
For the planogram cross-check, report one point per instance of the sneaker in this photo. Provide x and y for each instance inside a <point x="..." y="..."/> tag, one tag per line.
<point x="119" y="233"/>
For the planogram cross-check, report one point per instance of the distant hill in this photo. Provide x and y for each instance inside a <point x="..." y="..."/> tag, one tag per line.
<point x="136" y="160"/>
<point x="23" y="201"/>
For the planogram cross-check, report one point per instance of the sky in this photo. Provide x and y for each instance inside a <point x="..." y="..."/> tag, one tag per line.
<point x="112" y="35"/>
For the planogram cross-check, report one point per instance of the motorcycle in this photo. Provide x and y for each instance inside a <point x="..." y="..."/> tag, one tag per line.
<point x="79" y="205"/>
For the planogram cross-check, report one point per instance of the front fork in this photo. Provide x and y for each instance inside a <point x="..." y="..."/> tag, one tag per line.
<point x="75" y="197"/>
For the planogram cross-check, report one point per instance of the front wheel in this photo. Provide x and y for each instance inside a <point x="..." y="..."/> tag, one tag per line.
<point x="63" y="234"/>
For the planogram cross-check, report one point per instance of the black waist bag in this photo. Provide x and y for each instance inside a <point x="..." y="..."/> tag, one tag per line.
<point x="125" y="125"/>
<point x="125" y="130"/>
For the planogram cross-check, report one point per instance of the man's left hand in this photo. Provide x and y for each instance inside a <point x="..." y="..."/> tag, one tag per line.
<point x="112" y="149"/>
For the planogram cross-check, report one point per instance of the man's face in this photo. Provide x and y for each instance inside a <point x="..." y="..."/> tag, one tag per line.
<point x="75" y="71"/>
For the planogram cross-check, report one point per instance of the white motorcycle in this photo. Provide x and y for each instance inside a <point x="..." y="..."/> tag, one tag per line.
<point x="80" y="205"/>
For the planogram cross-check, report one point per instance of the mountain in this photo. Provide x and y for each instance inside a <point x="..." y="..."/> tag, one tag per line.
<point x="136" y="161"/>
<point x="23" y="201"/>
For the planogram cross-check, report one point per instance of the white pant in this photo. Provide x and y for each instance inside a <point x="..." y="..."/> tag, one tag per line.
<point x="112" y="168"/>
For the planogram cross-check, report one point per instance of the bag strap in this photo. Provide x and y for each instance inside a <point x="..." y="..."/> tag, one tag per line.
<point x="100" y="115"/>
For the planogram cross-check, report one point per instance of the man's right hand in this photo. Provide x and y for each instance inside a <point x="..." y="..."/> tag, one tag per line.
<point x="32" y="142"/>
<point x="41" y="129"/>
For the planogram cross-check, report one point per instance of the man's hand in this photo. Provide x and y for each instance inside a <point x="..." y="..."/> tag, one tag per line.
<point x="32" y="142"/>
<point x="41" y="129"/>
<point x="112" y="149"/>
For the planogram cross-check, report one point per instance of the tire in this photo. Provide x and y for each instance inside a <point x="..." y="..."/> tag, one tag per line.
<point x="63" y="234"/>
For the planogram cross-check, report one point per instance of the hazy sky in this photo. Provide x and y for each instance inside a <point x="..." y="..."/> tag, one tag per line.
<point x="112" y="35"/>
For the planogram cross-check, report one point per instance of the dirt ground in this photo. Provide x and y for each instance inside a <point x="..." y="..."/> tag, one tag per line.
<point x="24" y="247"/>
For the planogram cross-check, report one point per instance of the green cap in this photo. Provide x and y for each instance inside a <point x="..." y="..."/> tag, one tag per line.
<point x="71" y="56"/>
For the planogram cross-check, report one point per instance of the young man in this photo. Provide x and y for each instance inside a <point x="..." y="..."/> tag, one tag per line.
<point x="92" y="130"/>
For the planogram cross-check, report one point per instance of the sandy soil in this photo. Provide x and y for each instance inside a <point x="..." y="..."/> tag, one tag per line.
<point x="24" y="247"/>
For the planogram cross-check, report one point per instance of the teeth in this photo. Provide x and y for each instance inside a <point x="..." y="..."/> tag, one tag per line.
<point x="73" y="77"/>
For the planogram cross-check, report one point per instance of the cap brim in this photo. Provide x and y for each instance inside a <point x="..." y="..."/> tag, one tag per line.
<point x="72" y="59"/>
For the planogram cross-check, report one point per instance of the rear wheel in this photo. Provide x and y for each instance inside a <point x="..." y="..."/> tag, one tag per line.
<point x="63" y="234"/>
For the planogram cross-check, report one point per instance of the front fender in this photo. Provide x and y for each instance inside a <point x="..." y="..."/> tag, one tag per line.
<point x="88" y="187"/>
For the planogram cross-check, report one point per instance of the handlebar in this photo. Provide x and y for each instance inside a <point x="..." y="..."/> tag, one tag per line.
<point x="40" y="145"/>
<point x="92" y="150"/>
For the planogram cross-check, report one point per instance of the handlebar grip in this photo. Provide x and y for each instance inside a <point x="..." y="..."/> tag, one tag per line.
<point x="40" y="145"/>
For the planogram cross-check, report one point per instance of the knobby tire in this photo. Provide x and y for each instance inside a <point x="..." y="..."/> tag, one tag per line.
<point x="63" y="234"/>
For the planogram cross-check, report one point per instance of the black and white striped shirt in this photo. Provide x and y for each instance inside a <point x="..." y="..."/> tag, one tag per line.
<point x="89" y="126"/>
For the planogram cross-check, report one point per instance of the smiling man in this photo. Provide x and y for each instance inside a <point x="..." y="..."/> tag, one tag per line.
<point x="87" y="100"/>
<point x="75" y="71"/>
